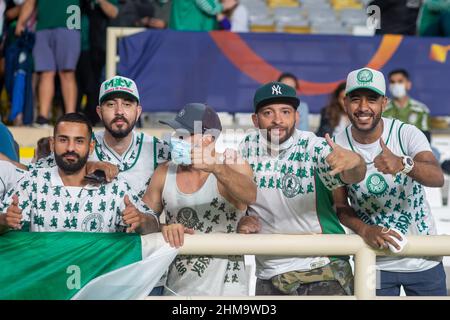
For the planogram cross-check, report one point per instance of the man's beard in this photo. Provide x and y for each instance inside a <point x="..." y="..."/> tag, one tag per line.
<point x="376" y="119"/>
<point x="119" y="133"/>
<point x="71" y="167"/>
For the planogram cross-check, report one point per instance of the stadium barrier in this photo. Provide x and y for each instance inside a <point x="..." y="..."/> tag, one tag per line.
<point x="365" y="272"/>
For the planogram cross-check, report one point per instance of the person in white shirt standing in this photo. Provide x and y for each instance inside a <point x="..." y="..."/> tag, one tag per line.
<point x="390" y="203"/>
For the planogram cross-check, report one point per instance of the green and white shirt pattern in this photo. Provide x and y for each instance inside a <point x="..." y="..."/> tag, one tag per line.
<point x="136" y="165"/>
<point x="293" y="196"/>
<point x="47" y="205"/>
<point x="205" y="211"/>
<point x="392" y="201"/>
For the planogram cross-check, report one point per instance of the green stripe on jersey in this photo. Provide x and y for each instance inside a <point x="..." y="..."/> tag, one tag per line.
<point x="328" y="218"/>
<point x="324" y="203"/>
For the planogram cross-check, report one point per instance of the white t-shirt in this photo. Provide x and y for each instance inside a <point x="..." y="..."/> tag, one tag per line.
<point x="393" y="201"/>
<point x="343" y="123"/>
<point x="9" y="175"/>
<point x="293" y="195"/>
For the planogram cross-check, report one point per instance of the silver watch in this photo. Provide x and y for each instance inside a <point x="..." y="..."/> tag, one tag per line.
<point x="408" y="164"/>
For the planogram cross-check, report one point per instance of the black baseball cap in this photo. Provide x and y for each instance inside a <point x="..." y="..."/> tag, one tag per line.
<point x="195" y="112"/>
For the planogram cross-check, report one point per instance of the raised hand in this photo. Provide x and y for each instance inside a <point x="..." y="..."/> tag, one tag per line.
<point x="387" y="162"/>
<point x="131" y="215"/>
<point x="340" y="159"/>
<point x="203" y="158"/>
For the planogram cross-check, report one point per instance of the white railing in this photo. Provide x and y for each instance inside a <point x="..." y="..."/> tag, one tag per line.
<point x="112" y="34"/>
<point x="313" y="245"/>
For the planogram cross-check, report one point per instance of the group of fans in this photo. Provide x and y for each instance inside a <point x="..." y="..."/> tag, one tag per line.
<point x="281" y="180"/>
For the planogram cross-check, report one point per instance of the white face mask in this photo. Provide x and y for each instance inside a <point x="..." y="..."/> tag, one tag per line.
<point x="398" y="90"/>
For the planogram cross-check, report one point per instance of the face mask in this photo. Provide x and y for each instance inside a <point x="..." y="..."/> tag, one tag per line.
<point x="180" y="151"/>
<point x="398" y="90"/>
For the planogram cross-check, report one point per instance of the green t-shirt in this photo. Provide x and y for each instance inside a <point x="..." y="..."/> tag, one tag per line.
<point x="53" y="14"/>
<point x="415" y="113"/>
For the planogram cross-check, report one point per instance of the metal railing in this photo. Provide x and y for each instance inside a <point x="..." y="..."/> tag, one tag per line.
<point x="314" y="245"/>
<point x="112" y="34"/>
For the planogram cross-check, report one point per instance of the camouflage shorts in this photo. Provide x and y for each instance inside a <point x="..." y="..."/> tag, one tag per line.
<point x="336" y="278"/>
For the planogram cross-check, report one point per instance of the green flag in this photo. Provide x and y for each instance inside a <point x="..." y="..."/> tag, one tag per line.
<point x="60" y="265"/>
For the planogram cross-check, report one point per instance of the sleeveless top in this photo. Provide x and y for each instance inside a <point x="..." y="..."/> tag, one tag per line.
<point x="205" y="211"/>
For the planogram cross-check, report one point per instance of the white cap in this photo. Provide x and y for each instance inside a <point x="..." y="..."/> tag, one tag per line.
<point x="118" y="84"/>
<point x="366" y="78"/>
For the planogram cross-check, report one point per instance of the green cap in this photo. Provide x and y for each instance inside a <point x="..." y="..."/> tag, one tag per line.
<point x="274" y="92"/>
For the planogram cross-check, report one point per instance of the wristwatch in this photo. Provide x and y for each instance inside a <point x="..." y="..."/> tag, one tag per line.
<point x="408" y="164"/>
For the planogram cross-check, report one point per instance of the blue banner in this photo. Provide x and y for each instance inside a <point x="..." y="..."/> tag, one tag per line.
<point x="224" y="69"/>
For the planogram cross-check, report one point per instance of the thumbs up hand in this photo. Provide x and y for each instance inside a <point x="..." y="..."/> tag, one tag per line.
<point x="340" y="159"/>
<point x="131" y="215"/>
<point x="387" y="162"/>
<point x="14" y="214"/>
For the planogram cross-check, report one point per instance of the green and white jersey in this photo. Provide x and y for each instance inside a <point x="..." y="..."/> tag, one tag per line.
<point x="392" y="201"/>
<point x="205" y="211"/>
<point x="136" y="165"/>
<point x="293" y="195"/>
<point x="49" y="206"/>
<point x="9" y="175"/>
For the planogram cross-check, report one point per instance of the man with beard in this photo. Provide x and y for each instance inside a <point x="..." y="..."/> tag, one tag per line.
<point x="201" y="193"/>
<point x="60" y="199"/>
<point x="399" y="163"/>
<point x="135" y="154"/>
<point x="295" y="173"/>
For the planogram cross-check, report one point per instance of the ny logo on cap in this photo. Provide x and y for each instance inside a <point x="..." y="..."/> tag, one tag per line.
<point x="276" y="89"/>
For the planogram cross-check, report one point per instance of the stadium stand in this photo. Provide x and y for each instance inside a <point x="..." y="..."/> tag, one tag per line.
<point x="306" y="16"/>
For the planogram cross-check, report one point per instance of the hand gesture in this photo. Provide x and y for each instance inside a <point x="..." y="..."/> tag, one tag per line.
<point x="340" y="159"/>
<point x="14" y="214"/>
<point x="203" y="158"/>
<point x="387" y="162"/>
<point x="131" y="215"/>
